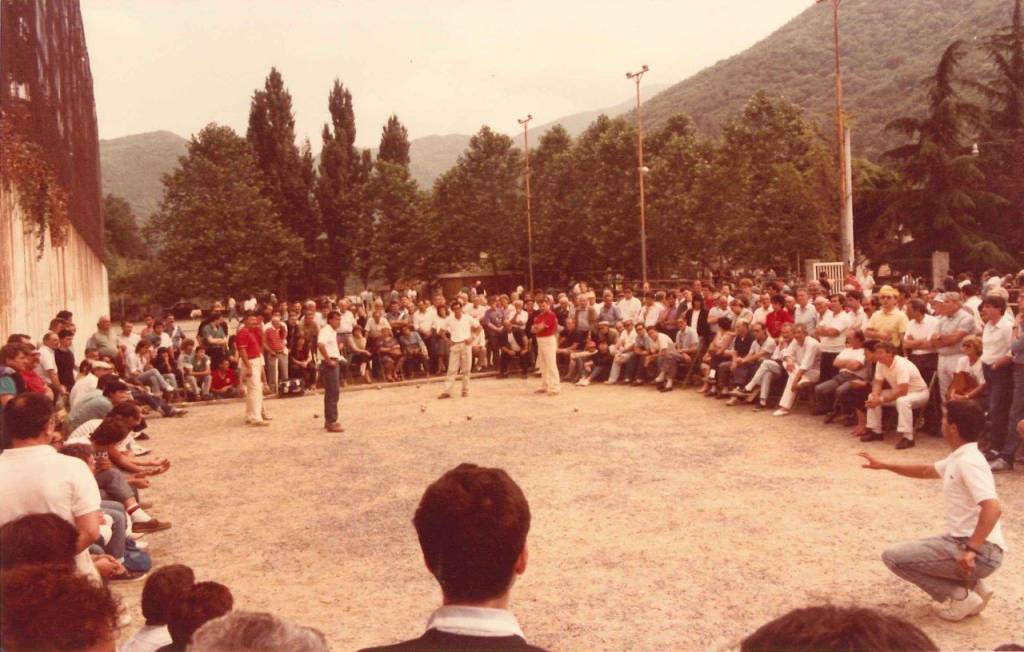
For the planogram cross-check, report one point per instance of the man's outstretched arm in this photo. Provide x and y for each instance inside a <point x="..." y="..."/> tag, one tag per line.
<point x="918" y="471"/>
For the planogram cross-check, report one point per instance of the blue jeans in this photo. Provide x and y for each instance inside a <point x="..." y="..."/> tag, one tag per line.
<point x="332" y="392"/>
<point x="999" y="383"/>
<point x="115" y="510"/>
<point x="1016" y="414"/>
<point x="930" y="564"/>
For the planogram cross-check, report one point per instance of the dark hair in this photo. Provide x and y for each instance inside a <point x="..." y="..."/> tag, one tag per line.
<point x="918" y="305"/>
<point x="870" y="345"/>
<point x="81" y="451"/>
<point x="108" y="433"/>
<point x="859" y="334"/>
<point x="855" y="294"/>
<point x="164" y="587"/>
<point x="724" y="323"/>
<point x="11" y="350"/>
<point x="968" y="417"/>
<point x="334" y="314"/>
<point x="18" y="338"/>
<point x="472" y="524"/>
<point x="125" y="409"/>
<point x="205" y="601"/>
<point x="64" y="314"/>
<point x="37" y="539"/>
<point x="114" y="386"/>
<point x="779" y="299"/>
<point x="48" y="608"/>
<point x="885" y="345"/>
<point x="27" y="415"/>
<point x="995" y="301"/>
<point x="829" y="628"/>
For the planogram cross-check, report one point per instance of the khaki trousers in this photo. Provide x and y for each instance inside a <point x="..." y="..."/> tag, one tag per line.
<point x="547" y="351"/>
<point x="254" y="390"/>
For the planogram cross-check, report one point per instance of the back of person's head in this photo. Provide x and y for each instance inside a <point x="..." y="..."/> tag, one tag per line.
<point x="164" y="587"/>
<point x="472" y="524"/>
<point x="27" y="415"/>
<point x="109" y="432"/>
<point x="255" y="632"/>
<point x="968" y="417"/>
<point x="50" y="608"/>
<point x="114" y="386"/>
<point x="203" y="602"/>
<point x="837" y="629"/>
<point x="37" y="539"/>
<point x="81" y="451"/>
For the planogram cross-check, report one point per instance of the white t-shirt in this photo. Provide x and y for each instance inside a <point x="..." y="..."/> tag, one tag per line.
<point x="964" y="364"/>
<point x="328" y="338"/>
<point x="768" y="346"/>
<point x="629" y="309"/>
<point x="966" y="481"/>
<point x="858" y="319"/>
<point x="128" y="341"/>
<point x="902" y="371"/>
<point x="854" y="355"/>
<point x="39" y="480"/>
<point x="348" y="322"/>
<point x="148" y="639"/>
<point x="761" y="315"/>
<point x="660" y="343"/>
<point x="82" y="386"/>
<point x="423" y="321"/>
<point x="460" y="329"/>
<point x="996" y="340"/>
<point x="842" y="323"/>
<point x="47" y="362"/>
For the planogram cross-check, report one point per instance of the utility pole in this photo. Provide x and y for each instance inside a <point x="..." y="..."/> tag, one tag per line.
<point x="641" y="171"/>
<point x="529" y="216"/>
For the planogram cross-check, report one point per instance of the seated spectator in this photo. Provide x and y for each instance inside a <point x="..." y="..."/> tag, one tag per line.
<point x="837" y="629"/>
<point x="514" y="348"/>
<point x="139" y="369"/>
<point x="48" y="609"/>
<point x="13" y="358"/>
<point x="203" y="602"/>
<point x="36" y="479"/>
<point x="86" y="383"/>
<point x="738" y="349"/>
<point x="415" y="354"/>
<point x="165" y="365"/>
<point x="38" y="539"/>
<point x="778" y="316"/>
<point x="164" y="587"/>
<point x="390" y="352"/>
<point x="247" y="631"/>
<point x="802" y="362"/>
<point x="224" y="381"/>
<point x="717" y="353"/>
<point x="759" y="388"/>
<point x="472" y="525"/>
<point x="742" y="367"/>
<point x="684" y="348"/>
<point x="850" y="366"/>
<point x="657" y="343"/>
<point x="598" y="366"/>
<point x="300" y="361"/>
<point x="907" y="392"/>
<point x="622" y="351"/>
<point x="968" y="382"/>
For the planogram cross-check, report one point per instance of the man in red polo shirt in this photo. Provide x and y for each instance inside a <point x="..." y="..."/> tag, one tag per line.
<point x="249" y="342"/>
<point x="545" y="329"/>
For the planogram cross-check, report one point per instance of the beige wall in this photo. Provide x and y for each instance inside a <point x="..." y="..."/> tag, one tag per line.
<point x="33" y="289"/>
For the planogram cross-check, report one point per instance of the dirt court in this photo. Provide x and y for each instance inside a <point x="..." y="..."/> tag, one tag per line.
<point x="659" y="522"/>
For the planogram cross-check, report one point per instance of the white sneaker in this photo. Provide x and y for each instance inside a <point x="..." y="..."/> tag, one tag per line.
<point x="956" y="610"/>
<point x="986" y="594"/>
<point x="584" y="382"/>
<point x="660" y="379"/>
<point x="780" y="412"/>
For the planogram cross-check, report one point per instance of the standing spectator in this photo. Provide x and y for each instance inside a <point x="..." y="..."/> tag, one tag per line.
<point x="173" y="331"/>
<point x="458" y="330"/>
<point x="907" y="392"/>
<point x="104" y="340"/>
<point x="47" y="369"/>
<point x="955" y="323"/>
<point x="1015" y="426"/>
<point x="330" y="359"/>
<point x="13" y="358"/>
<point x="65" y="359"/>
<point x="917" y="340"/>
<point x="778" y="317"/>
<point x="628" y="305"/>
<point x="214" y="336"/>
<point x="36" y="479"/>
<point x="607" y="312"/>
<point x="951" y="568"/>
<point x="275" y="343"/>
<point x="997" y="363"/>
<point x="890" y="323"/>
<point x="545" y="329"/>
<point x="804" y="312"/>
<point x="472" y="525"/>
<point x="249" y="342"/>
<point x="831" y="332"/>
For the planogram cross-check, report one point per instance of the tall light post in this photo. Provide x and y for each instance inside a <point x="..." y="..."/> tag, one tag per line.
<point x="529" y="216"/>
<point x="641" y="171"/>
<point x="845" y="194"/>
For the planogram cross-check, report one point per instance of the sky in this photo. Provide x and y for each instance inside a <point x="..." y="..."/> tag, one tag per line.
<point x="442" y="66"/>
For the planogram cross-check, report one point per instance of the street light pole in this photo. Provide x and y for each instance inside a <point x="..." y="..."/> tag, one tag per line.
<point x="845" y="204"/>
<point x="529" y="216"/>
<point x="641" y="171"/>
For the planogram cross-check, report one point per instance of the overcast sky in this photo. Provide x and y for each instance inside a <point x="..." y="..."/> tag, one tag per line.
<point x="443" y="66"/>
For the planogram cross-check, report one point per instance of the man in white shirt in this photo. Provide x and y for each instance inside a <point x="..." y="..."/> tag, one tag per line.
<point x="950" y="568"/>
<point x="628" y="306"/>
<point x="803" y="363"/>
<point x="850" y="367"/>
<point x="804" y="312"/>
<point x="89" y="382"/>
<point x="762" y="310"/>
<point x="997" y="364"/>
<point x="622" y="351"/>
<point x="907" y="392"/>
<point x="831" y="332"/>
<point x="955" y="323"/>
<point x="858" y="318"/>
<point x="36" y="479"/>
<point x="460" y="329"/>
<point x="330" y="361"/>
<point x="47" y="368"/>
<point x="917" y="339"/>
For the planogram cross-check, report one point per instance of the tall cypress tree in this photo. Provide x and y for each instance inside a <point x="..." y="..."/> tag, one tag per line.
<point x="395" y="203"/>
<point x="394" y="143"/>
<point x="337" y="187"/>
<point x="286" y="183"/>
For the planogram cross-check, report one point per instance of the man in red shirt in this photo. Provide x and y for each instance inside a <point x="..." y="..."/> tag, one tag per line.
<point x="545" y="329"/>
<point x="778" y="316"/>
<point x="249" y="342"/>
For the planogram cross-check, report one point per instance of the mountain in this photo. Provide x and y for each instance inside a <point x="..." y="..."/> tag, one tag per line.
<point x="577" y="123"/>
<point x="431" y="156"/>
<point x="132" y="167"/>
<point x="888" y="48"/>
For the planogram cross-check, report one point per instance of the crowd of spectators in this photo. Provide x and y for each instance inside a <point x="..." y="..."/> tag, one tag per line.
<point x="73" y="517"/>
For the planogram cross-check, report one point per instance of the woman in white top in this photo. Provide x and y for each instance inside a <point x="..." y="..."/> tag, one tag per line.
<point x="969" y="377"/>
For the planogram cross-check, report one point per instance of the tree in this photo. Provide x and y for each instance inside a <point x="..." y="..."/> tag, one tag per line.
<point x="215" y="233"/>
<point x="121" y="234"/>
<point x="556" y="213"/>
<point x="394" y="143"/>
<point x="938" y="207"/>
<point x="286" y="179"/>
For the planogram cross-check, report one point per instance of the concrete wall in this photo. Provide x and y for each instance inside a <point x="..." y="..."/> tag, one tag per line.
<point x="34" y="289"/>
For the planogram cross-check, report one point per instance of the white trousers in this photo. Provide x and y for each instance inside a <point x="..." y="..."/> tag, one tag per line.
<point x="905" y="406"/>
<point x="946" y="369"/>
<point x="460" y="358"/>
<point x="789" y="394"/>
<point x="547" y="350"/>
<point x="254" y="390"/>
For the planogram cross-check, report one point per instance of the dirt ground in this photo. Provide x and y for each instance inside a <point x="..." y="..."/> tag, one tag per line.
<point x="659" y="522"/>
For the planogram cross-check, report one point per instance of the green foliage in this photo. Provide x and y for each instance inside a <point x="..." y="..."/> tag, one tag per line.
<point x="394" y="143"/>
<point x="121" y="234"/>
<point x="216" y="234"/>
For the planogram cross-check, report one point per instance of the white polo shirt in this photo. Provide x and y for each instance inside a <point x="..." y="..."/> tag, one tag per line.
<point x="629" y="309"/>
<point x="81" y="388"/>
<point x="922" y="330"/>
<point x="39" y="480"/>
<point x="842" y="322"/>
<point x="851" y="354"/>
<point x="328" y="337"/>
<point x="348" y="322"/>
<point x="996" y="340"/>
<point x="901" y="371"/>
<point x="460" y="329"/>
<point x="423" y="321"/>
<point x="966" y="481"/>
